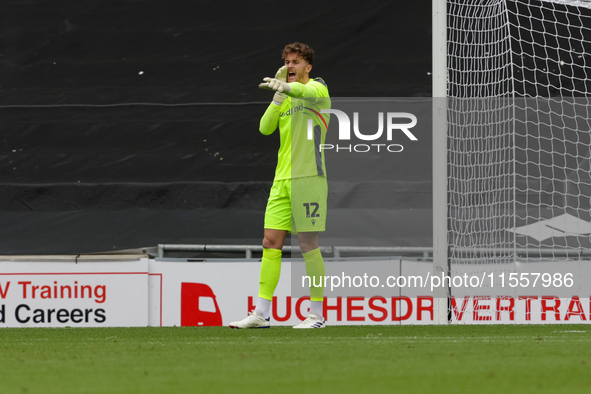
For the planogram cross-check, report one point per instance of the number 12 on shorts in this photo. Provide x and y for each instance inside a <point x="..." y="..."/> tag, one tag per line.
<point x="314" y="213"/>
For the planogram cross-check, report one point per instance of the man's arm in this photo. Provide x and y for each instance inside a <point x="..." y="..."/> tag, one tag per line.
<point x="270" y="120"/>
<point x="293" y="89"/>
<point x="300" y="90"/>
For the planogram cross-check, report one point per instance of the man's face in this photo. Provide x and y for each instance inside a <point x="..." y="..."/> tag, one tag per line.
<point x="298" y="68"/>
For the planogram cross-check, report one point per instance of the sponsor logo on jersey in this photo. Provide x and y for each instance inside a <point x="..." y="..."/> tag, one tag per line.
<point x="292" y="110"/>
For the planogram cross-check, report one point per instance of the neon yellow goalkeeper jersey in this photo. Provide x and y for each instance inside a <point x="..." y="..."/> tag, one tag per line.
<point x="300" y="154"/>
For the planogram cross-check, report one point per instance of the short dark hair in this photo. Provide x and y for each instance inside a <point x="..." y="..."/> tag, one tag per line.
<point x="301" y="49"/>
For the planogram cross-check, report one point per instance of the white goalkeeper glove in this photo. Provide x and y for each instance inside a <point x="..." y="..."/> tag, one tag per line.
<point x="281" y="74"/>
<point x="278" y="84"/>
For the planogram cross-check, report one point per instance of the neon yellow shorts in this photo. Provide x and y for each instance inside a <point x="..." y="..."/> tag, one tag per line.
<point x="297" y="205"/>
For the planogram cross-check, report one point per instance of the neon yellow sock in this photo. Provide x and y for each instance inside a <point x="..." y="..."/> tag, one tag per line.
<point x="316" y="271"/>
<point x="270" y="271"/>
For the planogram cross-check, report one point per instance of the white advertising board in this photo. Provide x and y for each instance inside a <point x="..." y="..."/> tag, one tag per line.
<point x="141" y="292"/>
<point x="68" y="293"/>
<point x="216" y="293"/>
<point x="527" y="309"/>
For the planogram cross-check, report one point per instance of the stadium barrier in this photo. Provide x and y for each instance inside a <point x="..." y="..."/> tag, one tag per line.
<point x="139" y="290"/>
<point x="74" y="291"/>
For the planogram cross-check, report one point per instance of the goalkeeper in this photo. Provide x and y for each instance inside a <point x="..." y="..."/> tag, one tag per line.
<point x="297" y="200"/>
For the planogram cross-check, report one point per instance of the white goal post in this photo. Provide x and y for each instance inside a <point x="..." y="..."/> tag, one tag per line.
<point x="511" y="135"/>
<point x="439" y="74"/>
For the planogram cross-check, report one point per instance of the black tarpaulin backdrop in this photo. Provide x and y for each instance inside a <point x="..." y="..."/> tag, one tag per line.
<point x="126" y="124"/>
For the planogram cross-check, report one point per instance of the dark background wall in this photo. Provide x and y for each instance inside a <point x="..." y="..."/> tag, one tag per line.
<point x="129" y="123"/>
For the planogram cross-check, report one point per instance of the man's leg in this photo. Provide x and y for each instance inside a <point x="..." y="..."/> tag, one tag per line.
<point x="309" y="208"/>
<point x="308" y="241"/>
<point x="270" y="270"/>
<point x="314" y="269"/>
<point x="277" y="216"/>
<point x="269" y="277"/>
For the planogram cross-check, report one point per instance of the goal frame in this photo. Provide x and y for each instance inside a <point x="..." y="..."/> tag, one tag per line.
<point x="441" y="295"/>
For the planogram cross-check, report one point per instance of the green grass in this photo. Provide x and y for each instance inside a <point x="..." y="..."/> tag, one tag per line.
<point x="361" y="359"/>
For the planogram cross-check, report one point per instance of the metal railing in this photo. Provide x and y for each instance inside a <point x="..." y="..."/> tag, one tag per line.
<point x="426" y="251"/>
<point x="248" y="250"/>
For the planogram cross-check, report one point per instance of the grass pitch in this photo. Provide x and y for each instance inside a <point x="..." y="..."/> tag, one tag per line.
<point x="361" y="359"/>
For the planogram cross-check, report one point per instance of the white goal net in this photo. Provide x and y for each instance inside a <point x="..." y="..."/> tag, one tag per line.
<point x="519" y="133"/>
